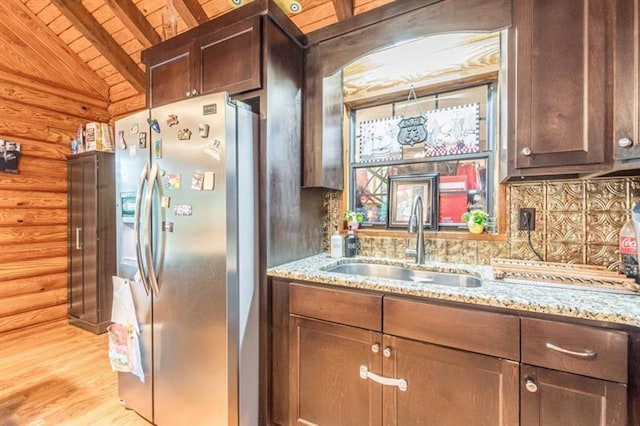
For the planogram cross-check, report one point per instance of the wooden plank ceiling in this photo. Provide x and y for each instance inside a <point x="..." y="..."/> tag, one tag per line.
<point x="88" y="51"/>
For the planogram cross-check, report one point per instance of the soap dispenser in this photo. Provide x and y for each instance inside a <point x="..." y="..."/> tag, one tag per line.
<point x="337" y="246"/>
<point x="351" y="244"/>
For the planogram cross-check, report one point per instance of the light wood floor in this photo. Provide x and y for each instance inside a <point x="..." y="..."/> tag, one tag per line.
<point x="57" y="374"/>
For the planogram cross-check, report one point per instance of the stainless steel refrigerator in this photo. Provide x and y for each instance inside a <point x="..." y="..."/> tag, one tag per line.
<point x="187" y="214"/>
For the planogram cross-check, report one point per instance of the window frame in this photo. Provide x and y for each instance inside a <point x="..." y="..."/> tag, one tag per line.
<point x="490" y="154"/>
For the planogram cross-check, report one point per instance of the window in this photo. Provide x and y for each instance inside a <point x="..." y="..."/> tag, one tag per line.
<point x="459" y="146"/>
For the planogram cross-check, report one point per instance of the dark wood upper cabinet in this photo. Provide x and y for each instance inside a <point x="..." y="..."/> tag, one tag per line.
<point x="560" y="63"/>
<point x="626" y="85"/>
<point x="221" y="55"/>
<point x="170" y="77"/>
<point x="229" y="59"/>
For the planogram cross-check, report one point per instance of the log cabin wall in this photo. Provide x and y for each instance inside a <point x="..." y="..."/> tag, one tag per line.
<point x="33" y="202"/>
<point x="64" y="63"/>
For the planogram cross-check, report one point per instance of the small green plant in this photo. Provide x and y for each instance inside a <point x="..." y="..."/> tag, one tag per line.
<point x="476" y="216"/>
<point x="350" y="216"/>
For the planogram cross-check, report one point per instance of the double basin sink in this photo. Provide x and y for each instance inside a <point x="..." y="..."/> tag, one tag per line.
<point x="391" y="272"/>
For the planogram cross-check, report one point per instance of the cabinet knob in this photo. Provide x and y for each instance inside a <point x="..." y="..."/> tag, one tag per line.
<point x="387" y="352"/>
<point x="625" y="142"/>
<point x="526" y="151"/>
<point x="194" y="92"/>
<point x="187" y="94"/>
<point x="375" y="348"/>
<point x="530" y="385"/>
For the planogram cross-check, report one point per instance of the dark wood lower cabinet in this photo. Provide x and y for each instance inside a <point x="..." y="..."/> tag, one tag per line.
<point x="334" y="369"/>
<point x="555" y="398"/>
<point x="325" y="384"/>
<point x="444" y="386"/>
<point x="448" y="386"/>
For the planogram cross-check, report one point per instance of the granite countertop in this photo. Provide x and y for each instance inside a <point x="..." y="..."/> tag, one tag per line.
<point x="576" y="302"/>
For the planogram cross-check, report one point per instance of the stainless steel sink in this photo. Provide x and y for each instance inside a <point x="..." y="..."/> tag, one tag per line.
<point x="390" y="272"/>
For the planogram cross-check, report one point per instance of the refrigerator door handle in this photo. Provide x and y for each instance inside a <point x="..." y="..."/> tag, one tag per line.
<point x="136" y="225"/>
<point x="152" y="182"/>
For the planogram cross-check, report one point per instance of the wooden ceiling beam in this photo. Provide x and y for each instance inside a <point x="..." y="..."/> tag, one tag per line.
<point x="344" y="9"/>
<point x="191" y="12"/>
<point x="84" y="22"/>
<point x="135" y="21"/>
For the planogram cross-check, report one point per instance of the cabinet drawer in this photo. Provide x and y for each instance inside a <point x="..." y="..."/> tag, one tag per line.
<point x="362" y="310"/>
<point x="467" y="329"/>
<point x="574" y="348"/>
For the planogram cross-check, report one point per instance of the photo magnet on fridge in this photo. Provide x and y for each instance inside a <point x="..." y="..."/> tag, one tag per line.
<point x="157" y="148"/>
<point x="142" y="140"/>
<point x="183" y="210"/>
<point x="196" y="181"/>
<point x="133" y="129"/>
<point x="121" y="142"/>
<point x="172" y="181"/>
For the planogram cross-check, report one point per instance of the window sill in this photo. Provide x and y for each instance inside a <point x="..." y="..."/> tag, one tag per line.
<point x="443" y="234"/>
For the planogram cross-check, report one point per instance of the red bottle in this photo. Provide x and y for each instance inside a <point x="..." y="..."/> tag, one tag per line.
<point x="628" y="250"/>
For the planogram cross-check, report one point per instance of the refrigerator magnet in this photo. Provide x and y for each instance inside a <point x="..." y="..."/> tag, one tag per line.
<point x="172" y="120"/>
<point x="172" y="181"/>
<point x="182" y="210"/>
<point x="142" y="140"/>
<point x="157" y="148"/>
<point x="197" y="179"/>
<point x="132" y="151"/>
<point x="184" y="134"/>
<point x="133" y="129"/>
<point x="213" y="149"/>
<point x="203" y="130"/>
<point x="165" y="201"/>
<point x="167" y="226"/>
<point x="209" y="181"/>
<point x="155" y="126"/>
<point x="121" y="142"/>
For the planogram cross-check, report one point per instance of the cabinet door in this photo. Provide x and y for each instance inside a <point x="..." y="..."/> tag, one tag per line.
<point x="170" y="76"/>
<point x="325" y="385"/>
<point x="626" y="81"/>
<point x="75" y="278"/>
<point x="82" y="231"/>
<point x="448" y="386"/>
<point x="554" y="398"/>
<point x="229" y="59"/>
<point x="560" y="96"/>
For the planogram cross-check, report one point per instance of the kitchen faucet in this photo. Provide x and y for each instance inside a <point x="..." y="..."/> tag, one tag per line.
<point x="416" y="220"/>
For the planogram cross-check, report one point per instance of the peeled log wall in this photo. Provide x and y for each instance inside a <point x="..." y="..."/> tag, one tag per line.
<point x="33" y="202"/>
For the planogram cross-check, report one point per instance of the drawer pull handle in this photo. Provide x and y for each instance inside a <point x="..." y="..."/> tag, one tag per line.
<point x="386" y="381"/>
<point x="588" y="353"/>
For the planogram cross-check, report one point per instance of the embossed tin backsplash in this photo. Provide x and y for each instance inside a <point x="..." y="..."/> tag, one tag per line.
<point x="577" y="221"/>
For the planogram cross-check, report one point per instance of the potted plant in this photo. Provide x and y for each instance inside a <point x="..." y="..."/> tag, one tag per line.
<point x="476" y="220"/>
<point x="353" y="219"/>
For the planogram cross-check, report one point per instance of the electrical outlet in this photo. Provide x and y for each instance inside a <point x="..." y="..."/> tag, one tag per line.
<point x="523" y="219"/>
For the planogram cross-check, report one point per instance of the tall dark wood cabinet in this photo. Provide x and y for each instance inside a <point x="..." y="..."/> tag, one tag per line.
<point x="92" y="239"/>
